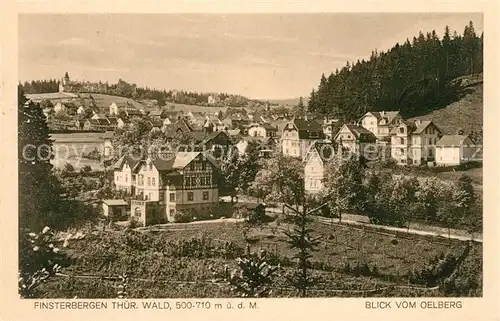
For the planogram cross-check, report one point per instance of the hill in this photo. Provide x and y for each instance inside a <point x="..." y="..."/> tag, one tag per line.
<point x="103" y="101"/>
<point x="288" y="101"/>
<point x="465" y="114"/>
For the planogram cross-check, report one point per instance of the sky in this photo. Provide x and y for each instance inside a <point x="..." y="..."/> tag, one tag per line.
<point x="262" y="56"/>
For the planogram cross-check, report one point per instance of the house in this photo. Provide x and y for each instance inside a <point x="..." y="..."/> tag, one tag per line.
<point x="113" y="122"/>
<point x="298" y="135"/>
<point x="414" y="142"/>
<point x="162" y="187"/>
<point x="316" y="158"/>
<point x="156" y="114"/>
<point x="356" y="139"/>
<point x="108" y="147"/>
<point x="122" y="122"/>
<point x="454" y="150"/>
<point x="81" y="110"/>
<point x="179" y="128"/>
<point x="330" y="127"/>
<point x="380" y="123"/>
<point x="265" y="145"/>
<point x="213" y="99"/>
<point x="217" y="141"/>
<point x="96" y="124"/>
<point x="123" y="177"/>
<point x="66" y="107"/>
<point x="116" y="210"/>
<point x="133" y="112"/>
<point x="115" y="108"/>
<point x="99" y="116"/>
<point x="262" y="130"/>
<point x="155" y="122"/>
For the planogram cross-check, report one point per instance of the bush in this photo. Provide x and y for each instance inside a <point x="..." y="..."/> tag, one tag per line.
<point x="184" y="216"/>
<point x="86" y="169"/>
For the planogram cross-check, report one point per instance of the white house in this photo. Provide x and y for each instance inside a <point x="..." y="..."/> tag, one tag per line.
<point x="380" y="123"/>
<point x="454" y="150"/>
<point x="315" y="160"/>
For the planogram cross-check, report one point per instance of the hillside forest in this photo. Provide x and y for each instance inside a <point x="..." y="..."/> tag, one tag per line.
<point x="415" y="77"/>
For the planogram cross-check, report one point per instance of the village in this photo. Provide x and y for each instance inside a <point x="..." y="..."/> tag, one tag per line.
<point x="198" y="157"/>
<point x="157" y="188"/>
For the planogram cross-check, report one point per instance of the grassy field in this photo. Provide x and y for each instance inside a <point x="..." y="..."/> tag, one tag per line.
<point x="103" y="101"/>
<point x="465" y="114"/>
<point x="176" y="261"/>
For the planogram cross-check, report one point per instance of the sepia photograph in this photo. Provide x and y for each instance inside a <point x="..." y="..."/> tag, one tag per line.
<point x="278" y="155"/>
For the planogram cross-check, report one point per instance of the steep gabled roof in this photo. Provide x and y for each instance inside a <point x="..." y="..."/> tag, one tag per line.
<point x="131" y="162"/>
<point x="389" y="115"/>
<point x="324" y="149"/>
<point x="423" y="124"/>
<point x="108" y="134"/>
<point x="360" y="133"/>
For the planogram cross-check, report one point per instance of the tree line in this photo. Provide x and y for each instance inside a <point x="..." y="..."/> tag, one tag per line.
<point x="130" y="90"/>
<point x="414" y="77"/>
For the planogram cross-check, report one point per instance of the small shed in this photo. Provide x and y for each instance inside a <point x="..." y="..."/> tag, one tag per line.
<point x="115" y="209"/>
<point x="247" y="210"/>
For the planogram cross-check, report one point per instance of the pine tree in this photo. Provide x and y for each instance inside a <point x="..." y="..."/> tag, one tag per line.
<point x="38" y="188"/>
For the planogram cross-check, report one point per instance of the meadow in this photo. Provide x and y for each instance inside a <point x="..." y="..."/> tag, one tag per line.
<point x="69" y="148"/>
<point x="178" y="260"/>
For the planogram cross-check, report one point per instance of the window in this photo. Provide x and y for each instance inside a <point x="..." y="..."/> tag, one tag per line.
<point x="190" y="196"/>
<point x="191" y="166"/>
<point x="161" y="196"/>
<point x="141" y="179"/>
<point x="150" y="196"/>
<point x="126" y="178"/>
<point x="203" y="166"/>
<point x="401" y="141"/>
<point x="402" y="130"/>
<point x="430" y="152"/>
<point x="205" y="196"/>
<point x="137" y="212"/>
<point x="401" y="151"/>
<point x="172" y="212"/>
<point x="149" y="181"/>
<point x="430" y="141"/>
<point x="172" y="197"/>
<point x="150" y="166"/>
<point x="153" y="181"/>
<point x="187" y="181"/>
<point x="348" y="136"/>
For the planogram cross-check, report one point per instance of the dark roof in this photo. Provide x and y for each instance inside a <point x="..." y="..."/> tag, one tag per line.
<point x="180" y="124"/>
<point x="303" y="124"/>
<point x="306" y="128"/>
<point x="125" y="159"/>
<point x="113" y="120"/>
<point x="133" y="111"/>
<point x="155" y="122"/>
<point x="361" y="133"/>
<point x="98" y="121"/>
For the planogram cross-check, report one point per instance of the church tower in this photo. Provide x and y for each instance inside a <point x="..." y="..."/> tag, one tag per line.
<point x="64" y="82"/>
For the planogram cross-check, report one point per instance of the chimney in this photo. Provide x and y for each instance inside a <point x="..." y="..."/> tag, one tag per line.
<point x="382" y="113"/>
<point x="418" y="122"/>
